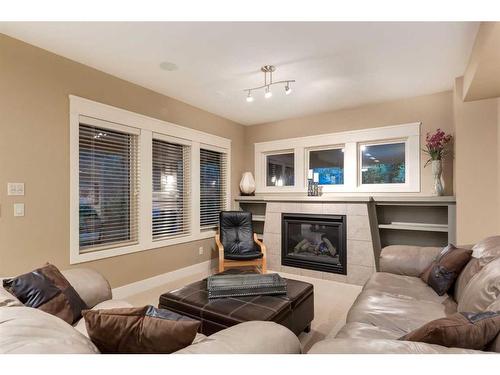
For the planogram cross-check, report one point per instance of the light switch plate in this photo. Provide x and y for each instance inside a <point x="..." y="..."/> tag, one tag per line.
<point x="18" y="209"/>
<point x="15" y="188"/>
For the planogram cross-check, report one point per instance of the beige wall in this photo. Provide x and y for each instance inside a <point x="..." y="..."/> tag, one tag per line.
<point x="434" y="111"/>
<point x="481" y="78"/>
<point x="476" y="167"/>
<point x="34" y="137"/>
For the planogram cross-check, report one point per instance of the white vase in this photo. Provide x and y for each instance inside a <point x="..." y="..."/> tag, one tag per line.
<point x="437" y="170"/>
<point x="247" y="184"/>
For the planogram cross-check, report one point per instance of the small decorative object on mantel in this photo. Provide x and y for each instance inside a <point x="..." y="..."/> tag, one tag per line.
<point x="247" y="184"/>
<point x="435" y="147"/>
<point x="313" y="187"/>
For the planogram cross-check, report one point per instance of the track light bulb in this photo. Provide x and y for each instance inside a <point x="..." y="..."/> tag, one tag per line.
<point x="288" y="89"/>
<point x="250" y="98"/>
<point x="268" y="93"/>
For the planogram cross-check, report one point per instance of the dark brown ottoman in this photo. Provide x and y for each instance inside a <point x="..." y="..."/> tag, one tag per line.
<point x="295" y="310"/>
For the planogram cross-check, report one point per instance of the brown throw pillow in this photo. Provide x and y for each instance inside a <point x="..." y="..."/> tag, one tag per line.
<point x="145" y="330"/>
<point x="443" y="271"/>
<point x="48" y="290"/>
<point x="460" y="330"/>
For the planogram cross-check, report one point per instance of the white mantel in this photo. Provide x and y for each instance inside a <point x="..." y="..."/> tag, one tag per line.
<point x="282" y="197"/>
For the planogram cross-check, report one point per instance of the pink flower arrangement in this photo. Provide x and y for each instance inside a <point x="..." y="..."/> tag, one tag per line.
<point x="435" y="145"/>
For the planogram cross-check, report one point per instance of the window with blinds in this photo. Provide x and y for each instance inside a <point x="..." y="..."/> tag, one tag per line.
<point x="171" y="186"/>
<point x="108" y="185"/>
<point x="213" y="187"/>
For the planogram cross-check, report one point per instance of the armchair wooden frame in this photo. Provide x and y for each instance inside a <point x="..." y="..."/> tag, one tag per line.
<point x="228" y="263"/>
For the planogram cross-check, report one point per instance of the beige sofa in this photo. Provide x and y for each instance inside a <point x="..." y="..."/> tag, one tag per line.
<point x="396" y="301"/>
<point x="27" y="330"/>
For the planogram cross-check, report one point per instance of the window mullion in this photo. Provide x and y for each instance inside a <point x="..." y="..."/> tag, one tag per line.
<point x="350" y="166"/>
<point x="195" y="188"/>
<point x="146" y="189"/>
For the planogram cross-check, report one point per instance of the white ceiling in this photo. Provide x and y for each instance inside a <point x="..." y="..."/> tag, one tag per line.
<point x="336" y="64"/>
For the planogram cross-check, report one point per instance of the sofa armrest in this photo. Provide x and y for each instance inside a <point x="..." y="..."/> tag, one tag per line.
<point x="89" y="284"/>
<point x="383" y="346"/>
<point x="407" y="260"/>
<point x="254" y="337"/>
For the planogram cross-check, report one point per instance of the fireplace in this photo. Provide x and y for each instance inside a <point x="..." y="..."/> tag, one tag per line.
<point x="316" y="242"/>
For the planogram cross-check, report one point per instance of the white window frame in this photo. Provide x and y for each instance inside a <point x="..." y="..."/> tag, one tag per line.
<point x="147" y="128"/>
<point x="326" y="188"/>
<point x="351" y="140"/>
<point x="264" y="175"/>
<point x="210" y="147"/>
<point x="184" y="142"/>
<point x="383" y="187"/>
<point x="128" y="245"/>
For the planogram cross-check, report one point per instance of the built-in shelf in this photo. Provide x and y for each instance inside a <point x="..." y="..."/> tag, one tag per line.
<point x="258" y="210"/>
<point x="416" y="226"/>
<point x="429" y="222"/>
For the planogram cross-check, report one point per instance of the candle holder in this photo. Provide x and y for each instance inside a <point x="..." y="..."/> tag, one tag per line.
<point x="310" y="187"/>
<point x="313" y="188"/>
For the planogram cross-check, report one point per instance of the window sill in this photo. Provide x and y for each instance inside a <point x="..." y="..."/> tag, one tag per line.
<point x="76" y="257"/>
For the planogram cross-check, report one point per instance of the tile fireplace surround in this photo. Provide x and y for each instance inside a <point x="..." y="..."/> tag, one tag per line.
<point x="360" y="245"/>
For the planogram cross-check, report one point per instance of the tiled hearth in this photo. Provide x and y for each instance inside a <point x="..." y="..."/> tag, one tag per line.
<point x="360" y="252"/>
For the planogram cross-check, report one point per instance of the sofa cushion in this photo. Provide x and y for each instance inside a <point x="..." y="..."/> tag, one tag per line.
<point x="382" y="346"/>
<point x="7" y="299"/>
<point x="465" y="276"/>
<point x="397" y="308"/>
<point x="407" y="260"/>
<point x="482" y="290"/>
<point x="461" y="330"/>
<point x="356" y="330"/>
<point x="487" y="250"/>
<point x="442" y="272"/>
<point x="31" y="331"/>
<point x="90" y="285"/>
<point x="139" y="330"/>
<point x="494" y="346"/>
<point x="405" y="286"/>
<point x="258" y="338"/>
<point x="48" y="290"/>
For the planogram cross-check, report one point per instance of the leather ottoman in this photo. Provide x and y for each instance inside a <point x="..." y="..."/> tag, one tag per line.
<point x="295" y="310"/>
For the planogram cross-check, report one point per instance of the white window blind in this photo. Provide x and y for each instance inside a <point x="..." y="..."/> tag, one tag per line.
<point x="108" y="187"/>
<point x="171" y="187"/>
<point x="213" y="189"/>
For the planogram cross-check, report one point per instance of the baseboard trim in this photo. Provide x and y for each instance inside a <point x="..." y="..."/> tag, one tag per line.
<point x="140" y="286"/>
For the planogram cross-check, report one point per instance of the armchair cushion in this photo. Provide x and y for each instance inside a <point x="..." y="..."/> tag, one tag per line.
<point x="244" y="256"/>
<point x="236" y="235"/>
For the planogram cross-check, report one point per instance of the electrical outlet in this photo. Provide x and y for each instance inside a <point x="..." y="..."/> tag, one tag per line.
<point x="18" y="209"/>
<point x="200" y="250"/>
<point x="15" y="188"/>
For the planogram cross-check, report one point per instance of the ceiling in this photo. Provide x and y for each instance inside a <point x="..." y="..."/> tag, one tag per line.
<point x="336" y="64"/>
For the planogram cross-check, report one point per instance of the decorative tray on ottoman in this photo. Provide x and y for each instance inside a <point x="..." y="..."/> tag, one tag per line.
<point x="245" y="285"/>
